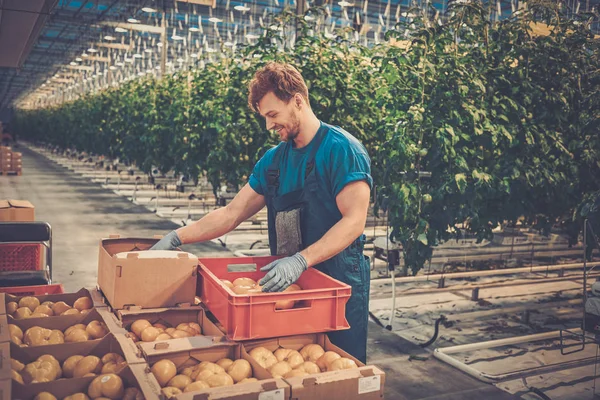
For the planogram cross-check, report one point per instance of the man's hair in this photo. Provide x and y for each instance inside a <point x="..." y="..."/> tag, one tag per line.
<point x="282" y="79"/>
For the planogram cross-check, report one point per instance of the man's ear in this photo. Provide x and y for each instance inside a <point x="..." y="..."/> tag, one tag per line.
<point x="298" y="100"/>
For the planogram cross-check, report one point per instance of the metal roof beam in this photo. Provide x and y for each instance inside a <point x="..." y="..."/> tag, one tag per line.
<point x="134" y="27"/>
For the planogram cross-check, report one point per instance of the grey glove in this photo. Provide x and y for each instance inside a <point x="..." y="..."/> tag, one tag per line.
<point x="171" y="241"/>
<point x="283" y="272"/>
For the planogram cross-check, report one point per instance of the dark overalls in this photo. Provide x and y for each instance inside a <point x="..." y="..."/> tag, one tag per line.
<point x="300" y="218"/>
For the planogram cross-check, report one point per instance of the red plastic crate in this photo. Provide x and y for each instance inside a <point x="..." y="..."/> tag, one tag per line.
<point x="40" y="290"/>
<point x="320" y="307"/>
<point x="21" y="257"/>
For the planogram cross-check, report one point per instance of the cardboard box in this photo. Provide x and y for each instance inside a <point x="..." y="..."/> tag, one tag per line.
<point x="135" y="375"/>
<point x="362" y="383"/>
<point x="265" y="387"/>
<point x="69" y="298"/>
<point x="130" y="276"/>
<point x="171" y="317"/>
<point x="16" y="210"/>
<point x="65" y="321"/>
<point x="4" y="334"/>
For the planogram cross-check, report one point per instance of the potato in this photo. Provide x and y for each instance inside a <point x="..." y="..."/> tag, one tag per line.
<point x="97" y="329"/>
<point x="194" y="386"/>
<point x="88" y="364"/>
<point x="29" y="302"/>
<point x="83" y="303"/>
<point x="60" y="307"/>
<point x="71" y="311"/>
<point x="163" y="336"/>
<point x="108" y="385"/>
<point x="77" y="396"/>
<point x="16" y="376"/>
<point x="170" y="391"/>
<point x="38" y="315"/>
<point x="22" y="313"/>
<point x="16" y="365"/>
<point x="15" y="330"/>
<point x="76" y="326"/>
<point x="77" y="335"/>
<point x="37" y="336"/>
<point x="179" y="381"/>
<point x="164" y="371"/>
<point x="11" y="307"/>
<point x="138" y="326"/>
<point x="150" y="334"/>
<point x="69" y="365"/>
<point x="42" y="309"/>
<point x="44" y="396"/>
<point x="133" y="394"/>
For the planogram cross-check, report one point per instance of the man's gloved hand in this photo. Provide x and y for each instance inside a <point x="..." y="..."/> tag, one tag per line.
<point x="171" y="241"/>
<point x="283" y="272"/>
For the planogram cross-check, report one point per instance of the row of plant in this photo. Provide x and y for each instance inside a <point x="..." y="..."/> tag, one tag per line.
<point x="469" y="123"/>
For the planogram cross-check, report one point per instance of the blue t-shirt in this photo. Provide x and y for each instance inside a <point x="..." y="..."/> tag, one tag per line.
<point x="341" y="159"/>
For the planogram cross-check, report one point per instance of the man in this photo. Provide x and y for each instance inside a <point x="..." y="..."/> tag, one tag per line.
<point x="316" y="185"/>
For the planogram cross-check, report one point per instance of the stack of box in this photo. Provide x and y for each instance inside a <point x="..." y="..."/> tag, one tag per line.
<point x="5" y="159"/>
<point x="16" y="164"/>
<point x="153" y="295"/>
<point x="10" y="162"/>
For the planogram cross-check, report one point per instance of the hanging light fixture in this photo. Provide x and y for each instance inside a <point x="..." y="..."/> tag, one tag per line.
<point x="133" y="20"/>
<point x="215" y="20"/>
<point x="92" y="50"/>
<point x="242" y="8"/>
<point x="109" y="38"/>
<point x="148" y="9"/>
<point x="72" y="63"/>
<point x="194" y="29"/>
<point x="78" y="59"/>
<point x="176" y="36"/>
<point x="345" y="3"/>
<point x="252" y="36"/>
<point x="120" y="30"/>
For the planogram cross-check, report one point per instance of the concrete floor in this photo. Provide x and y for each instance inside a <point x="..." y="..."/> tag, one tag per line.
<point x="82" y="212"/>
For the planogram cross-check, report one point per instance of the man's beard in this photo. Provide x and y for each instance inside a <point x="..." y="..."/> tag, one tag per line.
<point x="293" y="129"/>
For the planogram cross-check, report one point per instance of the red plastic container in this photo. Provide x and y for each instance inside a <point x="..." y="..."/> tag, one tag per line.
<point x="320" y="306"/>
<point x="20" y="257"/>
<point x="40" y="290"/>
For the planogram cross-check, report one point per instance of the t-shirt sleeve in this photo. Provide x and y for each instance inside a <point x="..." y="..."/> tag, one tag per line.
<point x="350" y="163"/>
<point x="258" y="178"/>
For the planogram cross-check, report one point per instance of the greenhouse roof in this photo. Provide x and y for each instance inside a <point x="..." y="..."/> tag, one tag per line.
<point x="45" y="43"/>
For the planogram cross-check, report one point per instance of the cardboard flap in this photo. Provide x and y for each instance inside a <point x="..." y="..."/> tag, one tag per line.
<point x="269" y="385"/>
<point x="20" y="204"/>
<point x="114" y="236"/>
<point x="4" y="204"/>
<point x="309" y="381"/>
<point x="367" y="372"/>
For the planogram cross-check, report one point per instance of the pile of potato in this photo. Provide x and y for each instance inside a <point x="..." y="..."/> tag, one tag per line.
<point x="47" y="368"/>
<point x="143" y="330"/>
<point x="108" y="386"/>
<point x="38" y="336"/>
<point x="311" y="359"/>
<point x="30" y="307"/>
<point x="250" y="287"/>
<point x="224" y="372"/>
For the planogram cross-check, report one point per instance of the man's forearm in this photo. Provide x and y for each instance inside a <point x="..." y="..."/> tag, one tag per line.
<point x="340" y="236"/>
<point x="213" y="225"/>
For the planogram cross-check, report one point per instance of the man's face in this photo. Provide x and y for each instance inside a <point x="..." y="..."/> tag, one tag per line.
<point x="280" y="116"/>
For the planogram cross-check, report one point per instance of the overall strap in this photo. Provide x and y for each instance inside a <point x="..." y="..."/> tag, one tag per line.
<point x="273" y="174"/>
<point x="310" y="165"/>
